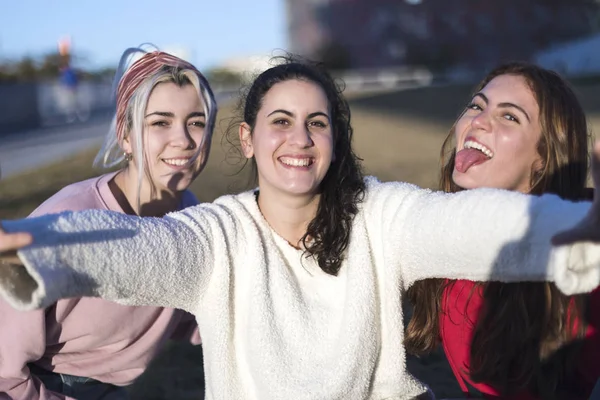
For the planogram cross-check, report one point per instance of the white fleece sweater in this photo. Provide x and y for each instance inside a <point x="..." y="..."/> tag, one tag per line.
<point x="274" y="325"/>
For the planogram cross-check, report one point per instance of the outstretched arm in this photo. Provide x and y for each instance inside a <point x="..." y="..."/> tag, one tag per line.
<point x="484" y="234"/>
<point x="496" y="235"/>
<point x="131" y="260"/>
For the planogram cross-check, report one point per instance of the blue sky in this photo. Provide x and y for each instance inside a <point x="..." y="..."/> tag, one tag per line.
<point x="212" y="31"/>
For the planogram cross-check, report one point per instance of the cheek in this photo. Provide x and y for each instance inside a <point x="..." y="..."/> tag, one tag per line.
<point x="197" y="136"/>
<point x="459" y="131"/>
<point x="330" y="145"/>
<point x="519" y="147"/>
<point x="324" y="142"/>
<point x="266" y="143"/>
<point x="155" y="145"/>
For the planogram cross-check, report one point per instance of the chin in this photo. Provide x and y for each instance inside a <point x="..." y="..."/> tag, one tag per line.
<point x="465" y="181"/>
<point x="302" y="190"/>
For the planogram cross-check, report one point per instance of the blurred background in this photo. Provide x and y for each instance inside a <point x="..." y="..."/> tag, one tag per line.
<point x="408" y="67"/>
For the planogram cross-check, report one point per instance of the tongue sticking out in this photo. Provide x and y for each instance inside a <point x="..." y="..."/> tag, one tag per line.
<point x="466" y="158"/>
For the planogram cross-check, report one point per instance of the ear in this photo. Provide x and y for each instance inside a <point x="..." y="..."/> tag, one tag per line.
<point x="126" y="145"/>
<point x="538" y="164"/>
<point x="246" y="140"/>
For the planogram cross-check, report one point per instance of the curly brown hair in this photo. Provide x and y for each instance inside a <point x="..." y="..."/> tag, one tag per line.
<point x="343" y="185"/>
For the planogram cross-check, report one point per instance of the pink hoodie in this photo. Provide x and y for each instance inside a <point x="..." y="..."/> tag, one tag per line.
<point x="86" y="337"/>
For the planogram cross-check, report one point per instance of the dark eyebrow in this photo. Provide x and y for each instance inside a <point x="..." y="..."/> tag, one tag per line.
<point x="171" y="115"/>
<point x="161" y="113"/>
<point x="517" y="107"/>
<point x="290" y="114"/>
<point x="483" y="97"/>
<point x="318" y="113"/>
<point x="504" y="105"/>
<point x="196" y="114"/>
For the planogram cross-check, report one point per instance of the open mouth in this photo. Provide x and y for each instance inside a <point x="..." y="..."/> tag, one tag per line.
<point x="176" y="162"/>
<point x="473" y="153"/>
<point x="297" y="162"/>
<point x="471" y="144"/>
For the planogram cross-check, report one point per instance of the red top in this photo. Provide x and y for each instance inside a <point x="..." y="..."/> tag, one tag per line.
<point x="461" y="304"/>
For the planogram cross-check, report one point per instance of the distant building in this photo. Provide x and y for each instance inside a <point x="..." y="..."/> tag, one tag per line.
<point x="378" y="33"/>
<point x="579" y="57"/>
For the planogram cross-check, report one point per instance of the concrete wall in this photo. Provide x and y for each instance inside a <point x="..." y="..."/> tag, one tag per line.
<point x="579" y="57"/>
<point x="18" y="107"/>
<point x="92" y="98"/>
<point x="25" y="106"/>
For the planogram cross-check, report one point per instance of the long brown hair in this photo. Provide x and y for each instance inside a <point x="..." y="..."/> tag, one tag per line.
<point x="521" y="325"/>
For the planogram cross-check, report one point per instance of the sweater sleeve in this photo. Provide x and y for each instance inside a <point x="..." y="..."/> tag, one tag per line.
<point x="22" y="341"/>
<point x="484" y="235"/>
<point x="131" y="260"/>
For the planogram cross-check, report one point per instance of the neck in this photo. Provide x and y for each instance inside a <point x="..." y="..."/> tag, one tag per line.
<point x="288" y="215"/>
<point x="150" y="204"/>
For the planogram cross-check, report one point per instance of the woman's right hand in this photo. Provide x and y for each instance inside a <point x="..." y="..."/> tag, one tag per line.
<point x="10" y="243"/>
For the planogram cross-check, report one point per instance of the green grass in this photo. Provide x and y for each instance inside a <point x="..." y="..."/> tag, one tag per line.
<point x="22" y="193"/>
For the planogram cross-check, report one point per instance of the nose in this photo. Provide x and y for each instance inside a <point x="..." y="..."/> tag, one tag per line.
<point x="182" y="138"/>
<point x="300" y="136"/>
<point x="482" y="121"/>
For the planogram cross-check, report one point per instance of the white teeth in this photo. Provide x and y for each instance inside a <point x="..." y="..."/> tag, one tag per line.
<point x="178" y="162"/>
<point x="295" y="162"/>
<point x="470" y="144"/>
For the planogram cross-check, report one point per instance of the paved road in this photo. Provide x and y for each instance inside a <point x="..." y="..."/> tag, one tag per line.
<point x="33" y="149"/>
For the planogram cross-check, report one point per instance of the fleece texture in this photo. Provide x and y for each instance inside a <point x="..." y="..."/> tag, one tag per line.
<point x="274" y="325"/>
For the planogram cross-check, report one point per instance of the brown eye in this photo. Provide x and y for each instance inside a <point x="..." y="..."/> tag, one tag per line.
<point x="317" y="125"/>
<point x="199" y="124"/>
<point x="473" y="106"/>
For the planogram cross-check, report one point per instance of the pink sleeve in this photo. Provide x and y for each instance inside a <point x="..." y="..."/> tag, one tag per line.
<point x="22" y="340"/>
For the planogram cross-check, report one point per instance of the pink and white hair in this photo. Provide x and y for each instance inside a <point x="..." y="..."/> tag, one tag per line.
<point x="132" y="88"/>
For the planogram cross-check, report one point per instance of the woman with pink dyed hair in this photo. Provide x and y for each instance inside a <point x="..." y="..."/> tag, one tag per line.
<point x="88" y="348"/>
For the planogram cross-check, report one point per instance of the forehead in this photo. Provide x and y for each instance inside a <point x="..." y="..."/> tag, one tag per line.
<point x="296" y="96"/>
<point x="511" y="89"/>
<point x="169" y="96"/>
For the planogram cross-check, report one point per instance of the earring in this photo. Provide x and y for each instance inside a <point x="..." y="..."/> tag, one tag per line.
<point x="128" y="156"/>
